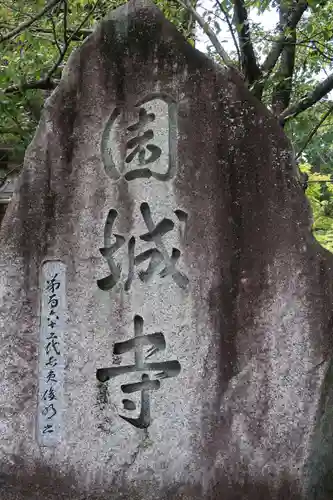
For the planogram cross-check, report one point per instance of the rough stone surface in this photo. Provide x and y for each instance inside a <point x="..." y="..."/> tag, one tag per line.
<point x="248" y="414"/>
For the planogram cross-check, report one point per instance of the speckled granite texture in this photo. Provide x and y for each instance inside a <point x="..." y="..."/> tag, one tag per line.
<point x="241" y="302"/>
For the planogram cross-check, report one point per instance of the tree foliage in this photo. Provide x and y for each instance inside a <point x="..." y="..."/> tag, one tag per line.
<point x="35" y="48"/>
<point x="289" y="68"/>
<point x="320" y="194"/>
<point x="284" y="67"/>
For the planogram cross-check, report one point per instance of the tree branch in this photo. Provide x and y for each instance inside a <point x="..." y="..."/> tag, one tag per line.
<point x="43" y="84"/>
<point x="28" y="23"/>
<point x="319" y="91"/>
<point x="79" y="28"/>
<point x="47" y="83"/>
<point x="282" y="91"/>
<point x="250" y="66"/>
<point x="209" y="32"/>
<point x="68" y="39"/>
<point x="314" y="131"/>
<point x="55" y="34"/>
<point x="14" y="119"/>
<point x="10" y="6"/>
<point x="80" y="35"/>
<point x="321" y="182"/>
<point x="293" y="19"/>
<point x="8" y="174"/>
<point x="4" y="131"/>
<point x="325" y="56"/>
<point x="65" y="21"/>
<point x="231" y="29"/>
<point x="268" y="65"/>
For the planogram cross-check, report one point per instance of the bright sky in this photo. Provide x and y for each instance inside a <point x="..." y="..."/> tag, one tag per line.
<point x="268" y="19"/>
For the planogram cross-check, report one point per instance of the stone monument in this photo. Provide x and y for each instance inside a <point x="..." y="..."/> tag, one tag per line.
<point x="166" y="321"/>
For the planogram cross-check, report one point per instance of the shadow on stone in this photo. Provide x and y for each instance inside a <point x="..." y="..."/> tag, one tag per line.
<point x="45" y="483"/>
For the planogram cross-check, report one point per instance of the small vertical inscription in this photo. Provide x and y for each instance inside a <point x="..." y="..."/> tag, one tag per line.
<point x="51" y="353"/>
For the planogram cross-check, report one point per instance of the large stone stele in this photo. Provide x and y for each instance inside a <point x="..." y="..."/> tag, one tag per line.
<point x="160" y="288"/>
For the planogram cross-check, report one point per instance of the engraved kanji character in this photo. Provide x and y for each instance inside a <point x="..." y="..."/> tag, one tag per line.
<point x="53" y="301"/>
<point x="166" y="369"/>
<point x="52" y="335"/>
<point x="51" y="377"/>
<point x="49" y="394"/>
<point x="48" y="429"/>
<point x="53" y="284"/>
<point x="52" y="345"/>
<point x="140" y="145"/>
<point x="159" y="254"/>
<point x="51" y="362"/>
<point x="49" y="410"/>
<point x="156" y="256"/>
